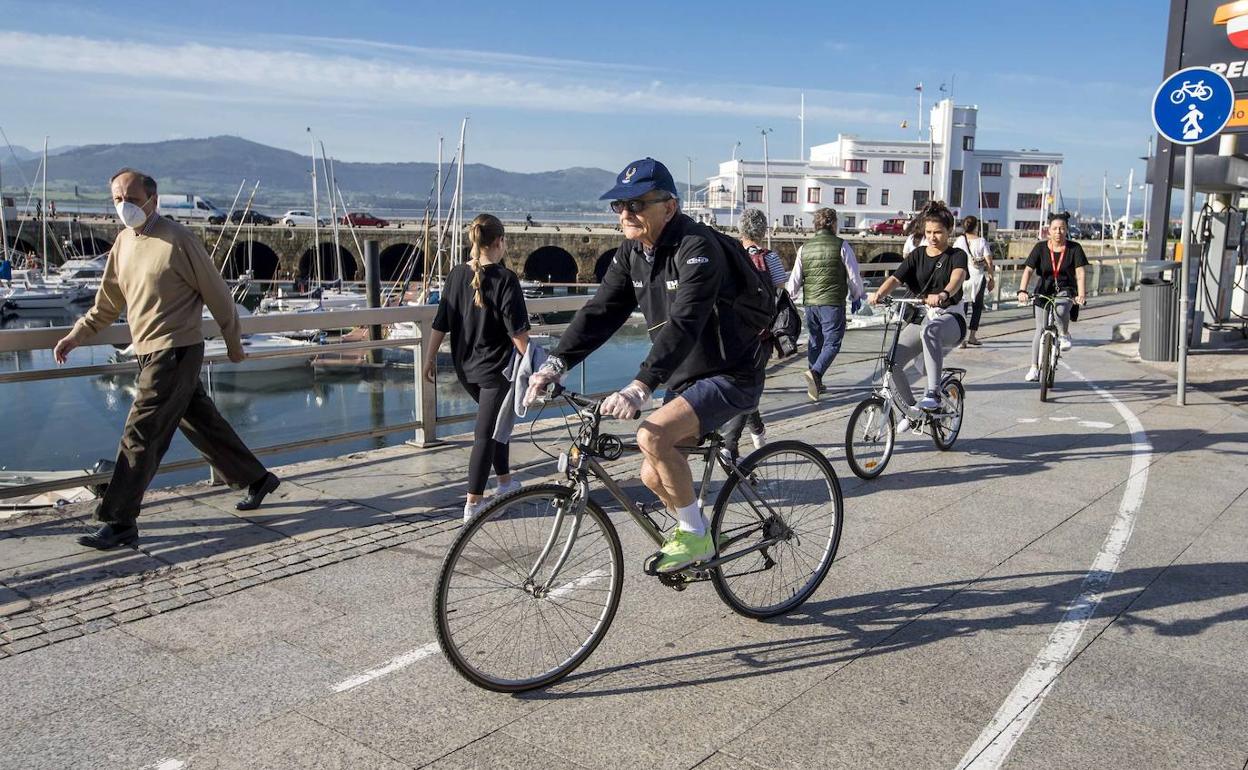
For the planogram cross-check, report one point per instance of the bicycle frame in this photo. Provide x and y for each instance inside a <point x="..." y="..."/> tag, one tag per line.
<point x="884" y="389"/>
<point x="582" y="461"/>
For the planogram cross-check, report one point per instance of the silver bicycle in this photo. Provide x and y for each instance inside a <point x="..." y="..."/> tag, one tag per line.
<point x="871" y="434"/>
<point x="531" y="585"/>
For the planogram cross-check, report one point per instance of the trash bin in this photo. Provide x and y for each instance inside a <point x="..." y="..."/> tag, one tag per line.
<point x="1158" y="320"/>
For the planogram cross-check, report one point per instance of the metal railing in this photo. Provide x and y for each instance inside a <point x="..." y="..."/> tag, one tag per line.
<point x="424" y="428"/>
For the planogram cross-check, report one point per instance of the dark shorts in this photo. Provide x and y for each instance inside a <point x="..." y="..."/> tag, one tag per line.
<point x="717" y="399"/>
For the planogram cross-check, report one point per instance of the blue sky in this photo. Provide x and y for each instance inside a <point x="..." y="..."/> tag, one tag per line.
<point x="553" y="84"/>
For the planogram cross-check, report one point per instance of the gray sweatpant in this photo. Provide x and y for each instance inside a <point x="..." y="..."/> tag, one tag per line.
<point x="1062" y="309"/>
<point x="932" y="338"/>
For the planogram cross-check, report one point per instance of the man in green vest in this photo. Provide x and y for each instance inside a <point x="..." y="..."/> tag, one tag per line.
<point x="826" y="274"/>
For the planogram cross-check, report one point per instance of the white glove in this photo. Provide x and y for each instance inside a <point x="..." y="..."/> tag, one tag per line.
<point x="539" y="381"/>
<point x="626" y="403"/>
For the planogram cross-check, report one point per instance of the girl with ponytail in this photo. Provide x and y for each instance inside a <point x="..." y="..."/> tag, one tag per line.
<point x="482" y="308"/>
<point x="934" y="273"/>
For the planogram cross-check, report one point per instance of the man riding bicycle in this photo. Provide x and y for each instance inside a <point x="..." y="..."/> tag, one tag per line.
<point x="674" y="270"/>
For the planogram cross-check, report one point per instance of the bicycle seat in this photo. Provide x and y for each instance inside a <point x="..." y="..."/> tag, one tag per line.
<point x="710" y="438"/>
<point x="953" y="370"/>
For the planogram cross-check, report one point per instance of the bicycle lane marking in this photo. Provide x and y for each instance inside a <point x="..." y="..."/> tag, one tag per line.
<point x="1013" y="717"/>
<point x="425" y="650"/>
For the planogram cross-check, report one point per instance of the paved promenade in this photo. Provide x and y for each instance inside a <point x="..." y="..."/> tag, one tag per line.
<point x="1067" y="587"/>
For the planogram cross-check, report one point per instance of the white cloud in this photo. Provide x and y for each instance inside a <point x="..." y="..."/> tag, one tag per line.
<point x="467" y="80"/>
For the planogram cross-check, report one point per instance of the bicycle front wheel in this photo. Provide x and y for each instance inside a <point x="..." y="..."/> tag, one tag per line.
<point x="947" y="423"/>
<point x="793" y="499"/>
<point x="1046" y="355"/>
<point x="869" y="438"/>
<point x="501" y="619"/>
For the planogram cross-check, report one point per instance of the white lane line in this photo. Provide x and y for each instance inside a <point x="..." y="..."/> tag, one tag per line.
<point x="424" y="651"/>
<point x="998" y="738"/>
<point x="389" y="667"/>
<point x="168" y="764"/>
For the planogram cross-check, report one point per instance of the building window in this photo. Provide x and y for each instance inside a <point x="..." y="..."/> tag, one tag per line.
<point x="838" y="196"/>
<point x="1032" y="170"/>
<point x="788" y="195"/>
<point x="990" y="200"/>
<point x="851" y="222"/>
<point x="862" y="196"/>
<point x="788" y="218"/>
<point x="991" y="169"/>
<point x="894" y="167"/>
<point x="921" y="197"/>
<point x="955" y="188"/>
<point x="927" y="167"/>
<point x="1027" y="224"/>
<point x="968" y="143"/>
<point x="883" y="197"/>
<point x="754" y="194"/>
<point x="812" y="194"/>
<point x="856" y="165"/>
<point x="993" y="224"/>
<point x="1028" y="201"/>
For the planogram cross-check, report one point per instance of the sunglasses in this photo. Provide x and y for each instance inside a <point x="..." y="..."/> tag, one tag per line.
<point x="636" y="205"/>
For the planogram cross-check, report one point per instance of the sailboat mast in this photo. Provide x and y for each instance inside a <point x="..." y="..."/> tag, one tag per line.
<point x="437" y="258"/>
<point x="459" y="184"/>
<point x="43" y="206"/>
<point x="316" y="217"/>
<point x="4" y="225"/>
<point x="332" y="184"/>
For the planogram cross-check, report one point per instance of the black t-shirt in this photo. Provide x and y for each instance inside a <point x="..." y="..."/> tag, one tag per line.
<point x="481" y="336"/>
<point x="925" y="275"/>
<point x="1043" y="261"/>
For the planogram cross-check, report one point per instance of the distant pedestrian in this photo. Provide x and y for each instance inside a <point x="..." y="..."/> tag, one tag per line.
<point x="52" y="209"/>
<point x="6" y="268"/>
<point x="528" y="221"/>
<point x="160" y="274"/>
<point x="981" y="273"/>
<point x="753" y="230"/>
<point x="482" y="308"/>
<point x="826" y="274"/>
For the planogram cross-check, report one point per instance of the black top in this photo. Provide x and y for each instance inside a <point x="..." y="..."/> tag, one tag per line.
<point x="924" y="275"/>
<point x="685" y="291"/>
<point x="481" y="336"/>
<point x="1043" y="261"/>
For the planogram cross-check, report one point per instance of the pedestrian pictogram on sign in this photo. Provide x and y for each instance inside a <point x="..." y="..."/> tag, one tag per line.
<point x="1193" y="105"/>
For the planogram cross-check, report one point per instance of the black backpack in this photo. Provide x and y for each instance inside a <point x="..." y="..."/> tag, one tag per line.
<point x="755" y="304"/>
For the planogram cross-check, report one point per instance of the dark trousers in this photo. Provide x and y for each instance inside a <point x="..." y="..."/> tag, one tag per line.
<point x="733" y="429"/>
<point x="825" y="326"/>
<point x="977" y="305"/>
<point x="171" y="397"/>
<point x="486" y="452"/>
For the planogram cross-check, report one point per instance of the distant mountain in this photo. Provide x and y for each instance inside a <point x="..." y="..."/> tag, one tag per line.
<point x="213" y="167"/>
<point x="22" y="153"/>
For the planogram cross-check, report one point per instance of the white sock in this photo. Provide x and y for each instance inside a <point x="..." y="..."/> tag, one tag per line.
<point x="689" y="518"/>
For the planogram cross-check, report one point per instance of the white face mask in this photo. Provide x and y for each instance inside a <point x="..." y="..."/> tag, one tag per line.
<point x="130" y="214"/>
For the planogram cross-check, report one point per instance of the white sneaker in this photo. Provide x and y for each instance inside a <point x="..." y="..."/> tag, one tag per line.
<point x="1064" y="343"/>
<point x="1033" y="375"/>
<point x="509" y="487"/>
<point x="930" y="401"/>
<point x="903" y="425"/>
<point x="472" y="509"/>
<point x="758" y="439"/>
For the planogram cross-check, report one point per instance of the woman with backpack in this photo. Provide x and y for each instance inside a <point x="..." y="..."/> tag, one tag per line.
<point x="482" y="308"/>
<point x="980" y="272"/>
<point x="753" y="232"/>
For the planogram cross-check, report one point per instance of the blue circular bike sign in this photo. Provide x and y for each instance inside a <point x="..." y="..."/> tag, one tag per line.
<point x="1193" y="105"/>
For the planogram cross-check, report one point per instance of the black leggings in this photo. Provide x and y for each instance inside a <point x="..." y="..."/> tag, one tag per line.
<point x="733" y="429"/>
<point x="485" y="450"/>
<point x="977" y="304"/>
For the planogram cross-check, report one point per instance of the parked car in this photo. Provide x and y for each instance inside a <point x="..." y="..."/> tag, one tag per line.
<point x="363" y="219"/>
<point x="891" y="226"/>
<point x="247" y="217"/>
<point x="301" y="218"/>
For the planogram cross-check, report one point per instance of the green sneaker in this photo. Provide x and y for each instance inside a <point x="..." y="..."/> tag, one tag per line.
<point x="682" y="549"/>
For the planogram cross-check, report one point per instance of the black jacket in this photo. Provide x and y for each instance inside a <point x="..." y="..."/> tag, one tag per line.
<point x="686" y="295"/>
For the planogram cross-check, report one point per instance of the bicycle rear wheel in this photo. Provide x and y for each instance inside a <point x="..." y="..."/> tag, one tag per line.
<point x="799" y="501"/>
<point x="506" y="631"/>
<point x="869" y="438"/>
<point x="947" y="423"/>
<point x="1046" y="352"/>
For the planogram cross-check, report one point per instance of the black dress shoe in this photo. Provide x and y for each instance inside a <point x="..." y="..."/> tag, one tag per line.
<point x="110" y="536"/>
<point x="257" y="492"/>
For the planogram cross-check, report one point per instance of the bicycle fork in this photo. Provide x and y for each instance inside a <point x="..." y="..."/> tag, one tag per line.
<point x="573" y="517"/>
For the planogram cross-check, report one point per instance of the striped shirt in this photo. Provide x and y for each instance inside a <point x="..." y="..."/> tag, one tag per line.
<point x="774" y="266"/>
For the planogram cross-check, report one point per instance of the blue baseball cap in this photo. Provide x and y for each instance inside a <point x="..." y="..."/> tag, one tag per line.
<point x="639" y="178"/>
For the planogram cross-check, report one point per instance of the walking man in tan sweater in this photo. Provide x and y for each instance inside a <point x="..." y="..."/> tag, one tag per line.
<point x="159" y="272"/>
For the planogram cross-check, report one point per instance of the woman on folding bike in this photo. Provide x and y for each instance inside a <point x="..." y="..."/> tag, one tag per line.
<point x="933" y="273"/>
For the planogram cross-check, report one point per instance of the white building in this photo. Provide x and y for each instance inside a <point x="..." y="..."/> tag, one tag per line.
<point x="869" y="180"/>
